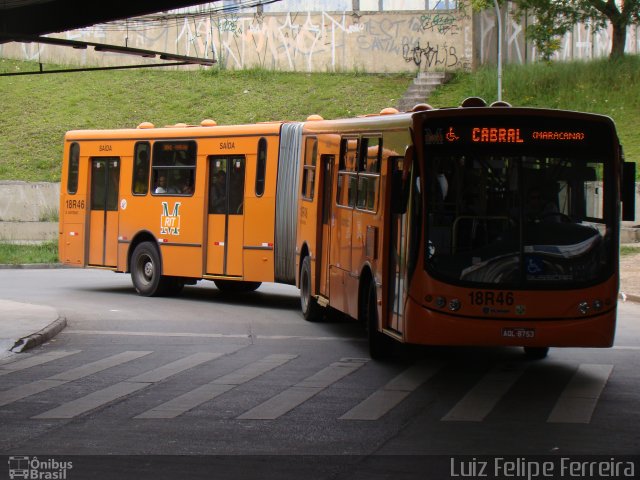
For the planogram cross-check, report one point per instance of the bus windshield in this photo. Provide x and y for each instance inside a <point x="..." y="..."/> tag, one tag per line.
<point x="515" y="220"/>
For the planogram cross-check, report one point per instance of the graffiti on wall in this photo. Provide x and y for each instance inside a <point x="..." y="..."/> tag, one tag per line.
<point x="309" y="41"/>
<point x="329" y="41"/>
<point x="437" y="56"/>
<point x="325" y="41"/>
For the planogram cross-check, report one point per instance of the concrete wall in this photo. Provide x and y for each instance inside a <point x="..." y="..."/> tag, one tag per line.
<point x="310" y="41"/>
<point x="29" y="211"/>
<point x="29" y="202"/>
<point x="386" y="40"/>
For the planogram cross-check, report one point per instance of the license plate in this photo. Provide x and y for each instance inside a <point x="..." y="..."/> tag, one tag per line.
<point x="518" y="332"/>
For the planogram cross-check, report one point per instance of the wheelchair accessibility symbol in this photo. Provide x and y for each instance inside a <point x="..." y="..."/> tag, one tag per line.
<point x="535" y="266"/>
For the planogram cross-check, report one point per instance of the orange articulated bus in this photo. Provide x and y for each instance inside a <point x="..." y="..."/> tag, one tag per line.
<point x="474" y="225"/>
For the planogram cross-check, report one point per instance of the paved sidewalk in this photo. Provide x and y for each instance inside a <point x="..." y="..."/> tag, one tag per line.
<point x="24" y="326"/>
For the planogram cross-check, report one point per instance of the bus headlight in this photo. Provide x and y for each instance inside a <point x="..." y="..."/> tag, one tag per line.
<point x="441" y="302"/>
<point x="454" y="305"/>
<point x="583" y="308"/>
<point x="597" y="305"/>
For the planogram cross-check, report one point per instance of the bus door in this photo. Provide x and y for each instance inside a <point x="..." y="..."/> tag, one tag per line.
<point x="225" y="226"/>
<point x="342" y="225"/>
<point x="398" y="243"/>
<point x="103" y="226"/>
<point x="323" y="250"/>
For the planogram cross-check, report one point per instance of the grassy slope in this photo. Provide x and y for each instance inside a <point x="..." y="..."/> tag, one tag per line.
<point x="37" y="110"/>
<point x="13" y="254"/>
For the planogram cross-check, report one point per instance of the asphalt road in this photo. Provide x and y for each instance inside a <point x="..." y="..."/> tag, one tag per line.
<point x="208" y="374"/>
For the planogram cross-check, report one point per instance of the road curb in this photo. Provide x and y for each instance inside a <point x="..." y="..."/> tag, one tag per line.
<point x="630" y="297"/>
<point x="41" y="336"/>
<point x="31" y="266"/>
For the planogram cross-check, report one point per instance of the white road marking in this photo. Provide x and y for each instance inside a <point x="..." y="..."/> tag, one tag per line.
<point x="35" y="360"/>
<point x="23" y="391"/>
<point x="122" y="389"/>
<point x="395" y="391"/>
<point x="580" y="397"/>
<point x="217" y="387"/>
<point x="484" y="396"/>
<point x="303" y="391"/>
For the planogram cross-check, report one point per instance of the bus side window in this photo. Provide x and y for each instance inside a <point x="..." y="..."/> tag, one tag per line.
<point x="74" y="168"/>
<point x="226" y="185"/>
<point x="236" y="185"/>
<point x="174" y="167"/>
<point x="261" y="167"/>
<point x="347" y="174"/>
<point x="140" y="177"/>
<point x="309" y="171"/>
<point x="369" y="174"/>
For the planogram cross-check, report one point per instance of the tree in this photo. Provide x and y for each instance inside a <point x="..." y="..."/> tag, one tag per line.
<point x="554" y="18"/>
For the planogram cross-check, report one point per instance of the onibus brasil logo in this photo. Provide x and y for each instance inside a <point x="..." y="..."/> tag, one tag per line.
<point x="37" y="469"/>
<point x="170" y="222"/>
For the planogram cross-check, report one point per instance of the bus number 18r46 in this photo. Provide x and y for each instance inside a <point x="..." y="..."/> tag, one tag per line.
<point x="484" y="297"/>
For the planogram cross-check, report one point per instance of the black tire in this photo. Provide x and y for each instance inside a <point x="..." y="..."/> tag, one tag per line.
<point x="236" y="286"/>
<point x="308" y="304"/>
<point x="536" y="353"/>
<point x="146" y="270"/>
<point x="379" y="343"/>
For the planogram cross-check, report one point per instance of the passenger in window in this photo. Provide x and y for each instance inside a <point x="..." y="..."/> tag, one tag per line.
<point x="141" y="181"/>
<point x="187" y="188"/>
<point x="162" y="185"/>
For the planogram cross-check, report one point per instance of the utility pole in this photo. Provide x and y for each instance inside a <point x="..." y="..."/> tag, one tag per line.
<point x="499" y="17"/>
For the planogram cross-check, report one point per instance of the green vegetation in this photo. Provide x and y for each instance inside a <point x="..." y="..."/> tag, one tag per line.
<point x="603" y="86"/>
<point x="16" y="254"/>
<point x="629" y="250"/>
<point x="37" y="110"/>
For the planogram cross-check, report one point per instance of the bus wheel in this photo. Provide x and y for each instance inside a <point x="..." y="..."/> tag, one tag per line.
<point x="536" y="353"/>
<point x="236" y="286"/>
<point x="308" y="304"/>
<point x="145" y="270"/>
<point x="378" y="342"/>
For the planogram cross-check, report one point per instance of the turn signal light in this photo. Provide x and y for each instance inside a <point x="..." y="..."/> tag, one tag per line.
<point x="583" y="307"/>
<point x="454" y="305"/>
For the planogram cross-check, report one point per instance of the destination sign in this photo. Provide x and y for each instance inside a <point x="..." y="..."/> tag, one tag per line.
<point x="494" y="134"/>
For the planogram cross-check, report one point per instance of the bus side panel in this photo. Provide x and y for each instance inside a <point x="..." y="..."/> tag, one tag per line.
<point x="71" y="245"/>
<point x="96" y="237"/>
<point x="71" y="242"/>
<point x="181" y="261"/>
<point x="180" y="232"/>
<point x="215" y="247"/>
<point x="235" y="247"/>
<point x="72" y="214"/>
<point x="307" y="228"/>
<point x="258" y="238"/>
<point x="367" y="227"/>
<point x="340" y="247"/>
<point x="259" y="224"/>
